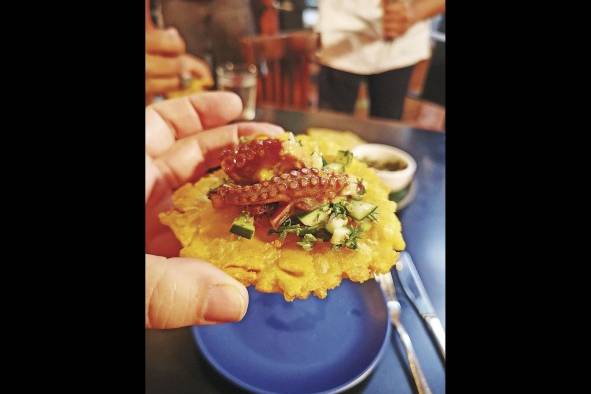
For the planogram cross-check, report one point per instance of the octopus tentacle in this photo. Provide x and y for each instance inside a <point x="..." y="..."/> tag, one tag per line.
<point x="290" y="186"/>
<point x="245" y="162"/>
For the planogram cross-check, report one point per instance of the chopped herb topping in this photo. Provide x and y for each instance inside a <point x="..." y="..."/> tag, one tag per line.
<point x="307" y="242"/>
<point x="354" y="235"/>
<point x="338" y="209"/>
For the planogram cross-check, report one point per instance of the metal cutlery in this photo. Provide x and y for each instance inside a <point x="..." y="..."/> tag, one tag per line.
<point x="387" y="284"/>
<point x="415" y="291"/>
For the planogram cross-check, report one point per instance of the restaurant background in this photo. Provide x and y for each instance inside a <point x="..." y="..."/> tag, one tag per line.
<point x="267" y="21"/>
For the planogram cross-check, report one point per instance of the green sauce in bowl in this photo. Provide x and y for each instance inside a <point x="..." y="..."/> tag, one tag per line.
<point x="383" y="165"/>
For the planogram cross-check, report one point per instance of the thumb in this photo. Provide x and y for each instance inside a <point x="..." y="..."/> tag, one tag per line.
<point x="183" y="292"/>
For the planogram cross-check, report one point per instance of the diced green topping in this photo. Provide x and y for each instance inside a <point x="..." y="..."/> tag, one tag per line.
<point x="359" y="210"/>
<point x="354" y="235"/>
<point x="307" y="242"/>
<point x="339" y="236"/>
<point x="317" y="160"/>
<point x="335" y="167"/>
<point x="338" y="208"/>
<point x="332" y="223"/>
<point x="335" y="222"/>
<point x="354" y="189"/>
<point x="243" y="226"/>
<point x="315" y="217"/>
<point x="286" y="228"/>
<point x="365" y="225"/>
<point x="344" y="157"/>
<point x="292" y="146"/>
<point x="347" y="237"/>
<point x="307" y="235"/>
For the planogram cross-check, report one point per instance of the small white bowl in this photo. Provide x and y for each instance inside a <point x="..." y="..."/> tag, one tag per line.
<point x="396" y="180"/>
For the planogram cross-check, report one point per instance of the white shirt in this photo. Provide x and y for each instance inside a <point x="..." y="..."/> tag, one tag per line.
<point x="352" y="39"/>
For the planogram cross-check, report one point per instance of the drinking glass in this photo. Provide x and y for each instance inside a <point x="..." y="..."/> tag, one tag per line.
<point x="242" y="80"/>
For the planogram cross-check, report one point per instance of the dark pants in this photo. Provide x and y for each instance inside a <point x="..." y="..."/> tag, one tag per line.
<point x="338" y="91"/>
<point x="434" y="89"/>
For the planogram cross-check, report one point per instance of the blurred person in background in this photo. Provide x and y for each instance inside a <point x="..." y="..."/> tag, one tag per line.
<point x="212" y="29"/>
<point x="167" y="63"/>
<point x="376" y="41"/>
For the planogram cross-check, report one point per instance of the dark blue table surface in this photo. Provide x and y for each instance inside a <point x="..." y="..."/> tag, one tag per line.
<point x="174" y="365"/>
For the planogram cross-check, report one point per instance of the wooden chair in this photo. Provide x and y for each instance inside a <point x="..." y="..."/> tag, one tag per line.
<point x="283" y="62"/>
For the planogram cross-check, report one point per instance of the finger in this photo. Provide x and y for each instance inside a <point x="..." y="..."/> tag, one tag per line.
<point x="254" y="128"/>
<point x="201" y="71"/>
<point x="167" y="42"/>
<point x="394" y="8"/>
<point x="186" y="116"/>
<point x="164" y="243"/>
<point x="159" y="239"/>
<point x="400" y="19"/>
<point x="216" y="108"/>
<point x="159" y="137"/>
<point x="152" y="174"/>
<point x="182" y="162"/>
<point x="189" y="158"/>
<point x="395" y="19"/>
<point x="162" y="66"/>
<point x="394" y="30"/>
<point x="197" y="68"/>
<point x="178" y="118"/>
<point x="183" y="292"/>
<point x="162" y="85"/>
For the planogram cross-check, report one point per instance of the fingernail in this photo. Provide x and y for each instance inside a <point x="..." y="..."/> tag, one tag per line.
<point x="225" y="303"/>
<point x="172" y="31"/>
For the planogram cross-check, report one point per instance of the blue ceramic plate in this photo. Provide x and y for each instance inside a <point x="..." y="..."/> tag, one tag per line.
<point x="311" y="346"/>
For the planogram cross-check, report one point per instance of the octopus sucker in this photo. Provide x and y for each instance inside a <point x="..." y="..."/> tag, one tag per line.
<point x="250" y="162"/>
<point x="275" y="185"/>
<point x="296" y="188"/>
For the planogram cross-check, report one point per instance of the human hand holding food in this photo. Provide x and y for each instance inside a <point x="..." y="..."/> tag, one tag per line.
<point x="184" y="138"/>
<point x="198" y="69"/>
<point x="163" y="61"/>
<point x="167" y="62"/>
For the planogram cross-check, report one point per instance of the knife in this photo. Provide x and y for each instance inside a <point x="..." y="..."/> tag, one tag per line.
<point x="413" y="288"/>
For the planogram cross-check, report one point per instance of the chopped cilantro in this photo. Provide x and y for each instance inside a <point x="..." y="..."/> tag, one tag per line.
<point x="354" y="235"/>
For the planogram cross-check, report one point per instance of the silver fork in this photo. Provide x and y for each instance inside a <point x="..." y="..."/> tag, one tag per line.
<point x="387" y="284"/>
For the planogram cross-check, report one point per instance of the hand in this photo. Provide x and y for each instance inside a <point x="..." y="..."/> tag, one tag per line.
<point x="164" y="63"/>
<point x="184" y="138"/>
<point x="198" y="68"/>
<point x="398" y="18"/>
